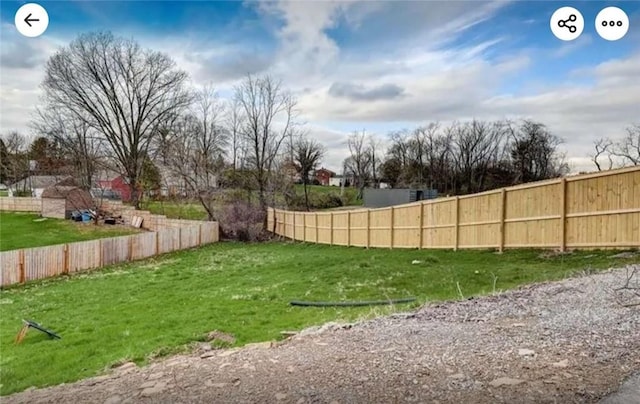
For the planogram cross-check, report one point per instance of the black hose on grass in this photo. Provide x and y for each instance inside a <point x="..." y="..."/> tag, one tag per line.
<point x="352" y="304"/>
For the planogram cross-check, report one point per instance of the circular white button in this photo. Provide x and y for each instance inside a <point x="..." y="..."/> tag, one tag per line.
<point x="566" y="23"/>
<point x="612" y="23"/>
<point x="32" y="20"/>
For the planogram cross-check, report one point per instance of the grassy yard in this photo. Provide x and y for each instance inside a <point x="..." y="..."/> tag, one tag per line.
<point x="24" y="230"/>
<point x="152" y="308"/>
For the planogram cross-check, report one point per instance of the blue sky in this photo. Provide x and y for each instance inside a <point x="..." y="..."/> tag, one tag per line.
<point x="374" y="65"/>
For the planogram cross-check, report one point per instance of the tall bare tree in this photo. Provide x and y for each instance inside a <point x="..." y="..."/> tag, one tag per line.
<point x="15" y="158"/>
<point x="235" y="122"/>
<point x="359" y="160"/>
<point x="268" y="112"/>
<point x="307" y="155"/>
<point x="119" y="89"/>
<point x="197" y="146"/>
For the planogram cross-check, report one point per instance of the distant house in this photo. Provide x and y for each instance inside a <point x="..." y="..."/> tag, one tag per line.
<point x="36" y="184"/>
<point x="59" y="201"/>
<point x="323" y="176"/>
<point x="118" y="185"/>
<point x="337" y="180"/>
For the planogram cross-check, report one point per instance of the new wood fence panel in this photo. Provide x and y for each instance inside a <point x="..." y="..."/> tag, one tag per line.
<point x="340" y="232"/>
<point x="380" y="228"/>
<point x="84" y="255"/>
<point x="406" y="226"/>
<point x="43" y="262"/>
<point x="585" y="211"/>
<point x="479" y="218"/>
<point x="358" y="228"/>
<point x="439" y="224"/>
<point x="324" y="228"/>
<point x="10" y="267"/>
<point x="115" y="250"/>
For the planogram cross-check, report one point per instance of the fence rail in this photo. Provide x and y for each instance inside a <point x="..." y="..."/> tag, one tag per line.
<point x="600" y="210"/>
<point x="19" y="266"/>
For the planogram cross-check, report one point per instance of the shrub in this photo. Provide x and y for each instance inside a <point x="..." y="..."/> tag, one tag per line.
<point x="242" y="221"/>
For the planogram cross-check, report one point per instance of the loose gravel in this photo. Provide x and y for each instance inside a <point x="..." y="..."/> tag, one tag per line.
<point x="563" y="342"/>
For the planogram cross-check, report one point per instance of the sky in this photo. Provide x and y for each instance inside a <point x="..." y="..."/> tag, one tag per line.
<point x="379" y="66"/>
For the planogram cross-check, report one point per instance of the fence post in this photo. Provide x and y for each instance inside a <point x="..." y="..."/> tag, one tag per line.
<point x="294" y="226"/>
<point x="157" y="242"/>
<point x="304" y="227"/>
<point x="563" y="214"/>
<point x="199" y="235"/>
<point x="348" y="228"/>
<point x="503" y="213"/>
<point x="101" y="253"/>
<point x="391" y="220"/>
<point x="22" y="276"/>
<point x="457" y="228"/>
<point x="65" y="268"/>
<point x="331" y="230"/>
<point x="179" y="238"/>
<point x="316" y="215"/>
<point x="368" y="228"/>
<point x="421" y="230"/>
<point x="130" y="257"/>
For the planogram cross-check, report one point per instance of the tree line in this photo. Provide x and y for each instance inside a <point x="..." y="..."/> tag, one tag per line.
<point x="109" y="103"/>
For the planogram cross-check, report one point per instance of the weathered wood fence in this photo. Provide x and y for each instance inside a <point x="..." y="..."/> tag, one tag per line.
<point x="23" y="265"/>
<point x="600" y="210"/>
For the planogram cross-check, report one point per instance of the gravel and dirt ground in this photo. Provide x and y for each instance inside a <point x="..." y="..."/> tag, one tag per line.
<point x="564" y="342"/>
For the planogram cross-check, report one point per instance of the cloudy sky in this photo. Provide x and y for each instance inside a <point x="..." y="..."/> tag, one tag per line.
<point x="373" y="65"/>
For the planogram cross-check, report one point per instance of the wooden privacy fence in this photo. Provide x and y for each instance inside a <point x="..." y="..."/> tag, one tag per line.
<point x="19" y="266"/>
<point x="600" y="210"/>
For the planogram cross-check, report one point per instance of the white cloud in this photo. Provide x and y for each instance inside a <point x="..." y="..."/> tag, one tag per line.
<point x="406" y="71"/>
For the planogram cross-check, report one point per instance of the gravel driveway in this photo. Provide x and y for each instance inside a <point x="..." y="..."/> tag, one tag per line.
<point x="562" y="342"/>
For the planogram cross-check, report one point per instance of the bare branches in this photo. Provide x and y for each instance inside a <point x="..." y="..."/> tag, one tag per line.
<point x="603" y="148"/>
<point x="269" y="113"/>
<point x="628" y="295"/>
<point x="122" y="91"/>
<point x="307" y="154"/>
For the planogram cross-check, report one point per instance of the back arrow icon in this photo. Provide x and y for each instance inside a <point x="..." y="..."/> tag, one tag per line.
<point x="29" y="20"/>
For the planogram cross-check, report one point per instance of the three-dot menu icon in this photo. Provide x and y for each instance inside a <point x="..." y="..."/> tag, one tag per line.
<point x="612" y="23"/>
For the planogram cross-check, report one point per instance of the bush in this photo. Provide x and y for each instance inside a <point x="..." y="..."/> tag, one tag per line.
<point x="242" y="221"/>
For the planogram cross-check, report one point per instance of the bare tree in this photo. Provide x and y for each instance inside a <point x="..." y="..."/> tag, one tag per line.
<point x="602" y="149"/>
<point x="268" y="112"/>
<point x="375" y="154"/>
<point x="628" y="148"/>
<point x="119" y="89"/>
<point x="79" y="142"/>
<point x="534" y="153"/>
<point x="235" y="122"/>
<point x="16" y="166"/>
<point x="359" y="160"/>
<point x="307" y="154"/>
<point x="197" y="147"/>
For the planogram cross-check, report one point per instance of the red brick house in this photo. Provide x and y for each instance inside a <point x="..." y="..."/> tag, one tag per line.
<point x="323" y="176"/>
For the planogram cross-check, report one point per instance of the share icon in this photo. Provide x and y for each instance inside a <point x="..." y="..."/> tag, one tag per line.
<point x="563" y="23"/>
<point x="567" y="23"/>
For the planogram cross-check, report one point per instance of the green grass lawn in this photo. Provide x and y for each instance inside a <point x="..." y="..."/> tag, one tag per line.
<point x="24" y="230"/>
<point x="175" y="209"/>
<point x="156" y="307"/>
